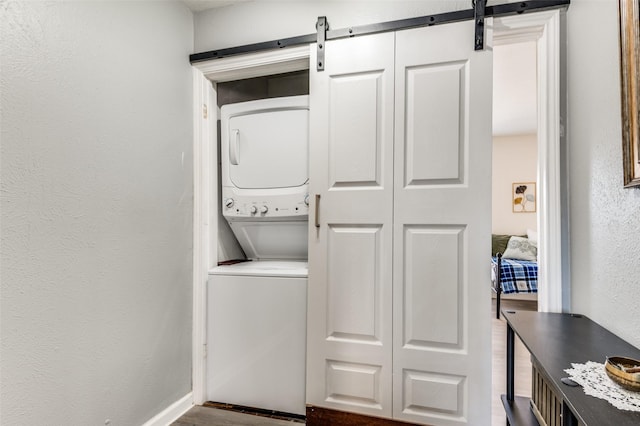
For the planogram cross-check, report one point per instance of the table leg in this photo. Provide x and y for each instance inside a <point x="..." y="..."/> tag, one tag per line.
<point x="510" y="363"/>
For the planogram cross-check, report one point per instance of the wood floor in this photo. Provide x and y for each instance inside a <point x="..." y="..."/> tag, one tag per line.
<point x="207" y="416"/>
<point x="499" y="357"/>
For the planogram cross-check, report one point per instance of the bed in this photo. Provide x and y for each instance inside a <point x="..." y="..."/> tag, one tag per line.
<point x="514" y="266"/>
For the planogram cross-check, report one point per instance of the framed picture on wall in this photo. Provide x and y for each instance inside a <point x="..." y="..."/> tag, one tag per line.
<point x="630" y="89"/>
<point x="523" y="196"/>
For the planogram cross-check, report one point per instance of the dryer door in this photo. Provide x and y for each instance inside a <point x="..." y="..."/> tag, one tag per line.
<point x="268" y="149"/>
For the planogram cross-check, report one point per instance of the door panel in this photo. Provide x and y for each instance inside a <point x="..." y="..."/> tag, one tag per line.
<point x="434" y="101"/>
<point x="355" y="138"/>
<point x="350" y="259"/>
<point x="426" y="392"/>
<point x="354" y="384"/>
<point x="442" y="220"/>
<point x="353" y="285"/>
<point x="432" y="272"/>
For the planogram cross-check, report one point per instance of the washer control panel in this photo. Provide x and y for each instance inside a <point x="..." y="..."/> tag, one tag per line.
<point x="279" y="206"/>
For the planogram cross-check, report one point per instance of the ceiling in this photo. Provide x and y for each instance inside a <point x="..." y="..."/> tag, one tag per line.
<point x="514" y="80"/>
<point x="514" y="89"/>
<point x="200" y="5"/>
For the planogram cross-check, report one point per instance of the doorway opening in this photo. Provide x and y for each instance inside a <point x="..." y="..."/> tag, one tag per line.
<point x="528" y="106"/>
<point x="514" y="203"/>
<point x="514" y="171"/>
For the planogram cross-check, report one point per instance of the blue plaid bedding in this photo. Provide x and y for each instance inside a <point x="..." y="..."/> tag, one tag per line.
<point x="517" y="276"/>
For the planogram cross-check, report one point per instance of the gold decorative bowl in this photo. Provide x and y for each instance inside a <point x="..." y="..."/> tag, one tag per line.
<point x="624" y="371"/>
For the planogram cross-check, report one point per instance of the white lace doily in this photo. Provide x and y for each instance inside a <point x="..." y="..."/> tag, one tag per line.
<point x="595" y="382"/>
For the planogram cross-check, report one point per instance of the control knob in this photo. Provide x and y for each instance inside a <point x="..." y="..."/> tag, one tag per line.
<point x="264" y="209"/>
<point x="228" y="203"/>
<point x="253" y="210"/>
<point x="306" y="200"/>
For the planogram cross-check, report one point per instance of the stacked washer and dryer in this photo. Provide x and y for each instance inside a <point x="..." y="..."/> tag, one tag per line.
<point x="256" y="326"/>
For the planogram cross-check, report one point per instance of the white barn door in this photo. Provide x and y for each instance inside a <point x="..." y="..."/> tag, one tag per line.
<point x="400" y="155"/>
<point x="442" y="227"/>
<point x="350" y="253"/>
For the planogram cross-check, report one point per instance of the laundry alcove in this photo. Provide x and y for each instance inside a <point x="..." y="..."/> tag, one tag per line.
<point x="298" y="60"/>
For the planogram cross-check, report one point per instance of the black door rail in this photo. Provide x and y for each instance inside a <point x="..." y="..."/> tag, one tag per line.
<point x="478" y="13"/>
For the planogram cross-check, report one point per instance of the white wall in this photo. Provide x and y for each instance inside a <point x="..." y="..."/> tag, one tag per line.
<point x="515" y="159"/>
<point x="96" y="175"/>
<point x="253" y="22"/>
<point x="605" y="223"/>
<point x="605" y="217"/>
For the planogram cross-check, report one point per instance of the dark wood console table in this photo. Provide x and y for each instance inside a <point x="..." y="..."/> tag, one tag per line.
<point x="555" y="341"/>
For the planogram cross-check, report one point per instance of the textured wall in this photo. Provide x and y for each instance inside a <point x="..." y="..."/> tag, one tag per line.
<point x="96" y="220"/>
<point x="605" y="217"/>
<point x="515" y="159"/>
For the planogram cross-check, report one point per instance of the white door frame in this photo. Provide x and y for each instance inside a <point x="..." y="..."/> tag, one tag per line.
<point x="205" y="223"/>
<point x="206" y="197"/>
<point x="544" y="27"/>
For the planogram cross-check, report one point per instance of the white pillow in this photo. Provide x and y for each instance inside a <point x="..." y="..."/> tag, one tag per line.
<point x="520" y="248"/>
<point x="533" y="236"/>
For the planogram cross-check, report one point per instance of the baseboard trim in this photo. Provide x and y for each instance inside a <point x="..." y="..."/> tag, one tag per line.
<point x="320" y="416"/>
<point x="172" y="412"/>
